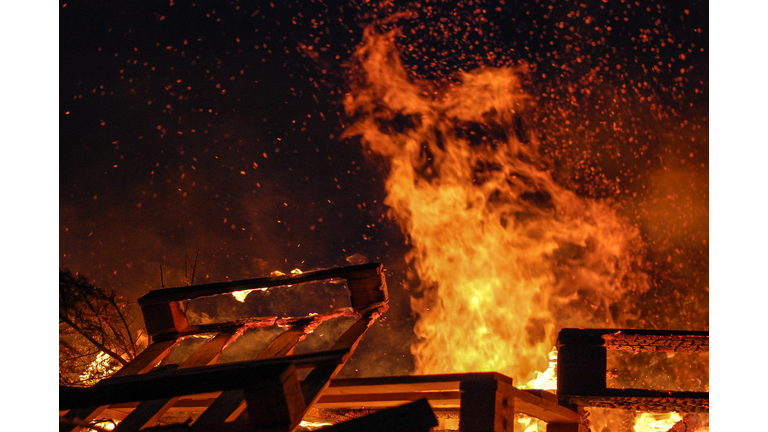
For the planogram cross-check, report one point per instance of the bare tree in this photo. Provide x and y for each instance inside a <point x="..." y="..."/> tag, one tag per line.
<point x="98" y="331"/>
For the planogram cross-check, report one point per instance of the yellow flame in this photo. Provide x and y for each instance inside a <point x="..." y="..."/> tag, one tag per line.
<point x="106" y="425"/>
<point x="505" y="255"/>
<point x="652" y="422"/>
<point x="241" y="295"/>
<point x="99" y="368"/>
<point x="546" y="380"/>
<point x="313" y="425"/>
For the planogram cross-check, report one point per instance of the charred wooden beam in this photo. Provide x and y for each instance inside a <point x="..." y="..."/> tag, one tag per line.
<point x="581" y="368"/>
<point x="413" y="417"/>
<point x="353" y="273"/>
<point x="637" y="340"/>
<point x="658" y="401"/>
<point x="164" y="317"/>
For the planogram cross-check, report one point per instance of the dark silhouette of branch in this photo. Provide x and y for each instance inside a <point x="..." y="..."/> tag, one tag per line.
<point x="96" y="343"/>
<point x="97" y="331"/>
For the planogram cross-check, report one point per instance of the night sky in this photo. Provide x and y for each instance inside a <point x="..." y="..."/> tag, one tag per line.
<point x="215" y="126"/>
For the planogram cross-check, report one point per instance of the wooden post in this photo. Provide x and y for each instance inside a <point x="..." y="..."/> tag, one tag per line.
<point x="368" y="289"/>
<point x="486" y="406"/>
<point x="164" y="318"/>
<point x="581" y="369"/>
<point x="278" y="405"/>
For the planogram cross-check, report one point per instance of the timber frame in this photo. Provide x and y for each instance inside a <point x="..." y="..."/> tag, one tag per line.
<point x="266" y="393"/>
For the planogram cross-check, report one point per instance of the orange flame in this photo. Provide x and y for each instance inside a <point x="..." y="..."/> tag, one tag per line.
<point x="505" y="255"/>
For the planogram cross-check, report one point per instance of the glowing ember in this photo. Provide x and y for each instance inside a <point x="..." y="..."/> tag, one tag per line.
<point x="505" y="255"/>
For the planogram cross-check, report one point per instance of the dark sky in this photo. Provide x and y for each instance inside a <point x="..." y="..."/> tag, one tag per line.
<point x="215" y="126"/>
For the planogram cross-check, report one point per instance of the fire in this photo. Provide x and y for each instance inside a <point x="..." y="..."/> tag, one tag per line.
<point x="241" y="295"/>
<point x="102" y="366"/>
<point x="313" y="425"/>
<point x="546" y="380"/>
<point x="649" y="422"/>
<point x="106" y="425"/>
<point x="505" y="255"/>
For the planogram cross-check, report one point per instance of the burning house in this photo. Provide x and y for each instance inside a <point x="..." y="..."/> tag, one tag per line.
<point x="533" y="180"/>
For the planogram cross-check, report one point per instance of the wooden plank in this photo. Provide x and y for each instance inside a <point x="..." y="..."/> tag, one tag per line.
<point x="282" y="344"/>
<point x="189" y="381"/>
<point x="439" y="382"/>
<point x="227" y="407"/>
<point x="349" y="387"/>
<point x="413" y="417"/>
<point x="191" y="292"/>
<point x="544" y="394"/>
<point x="543" y="408"/>
<point x="209" y="353"/>
<point x="147" y="359"/>
<point x="148" y="412"/>
<point x="362" y="400"/>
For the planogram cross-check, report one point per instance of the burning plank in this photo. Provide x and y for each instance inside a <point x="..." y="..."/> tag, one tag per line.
<point x="581" y="368"/>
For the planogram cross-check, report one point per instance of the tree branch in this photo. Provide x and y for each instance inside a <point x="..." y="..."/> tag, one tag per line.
<point x="96" y="343"/>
